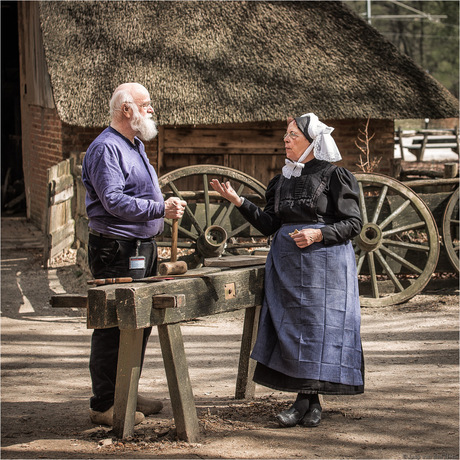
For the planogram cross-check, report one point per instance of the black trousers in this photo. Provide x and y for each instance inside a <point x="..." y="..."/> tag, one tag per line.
<point x="109" y="258"/>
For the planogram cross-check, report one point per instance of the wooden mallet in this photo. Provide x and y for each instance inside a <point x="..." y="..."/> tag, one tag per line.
<point x="173" y="267"/>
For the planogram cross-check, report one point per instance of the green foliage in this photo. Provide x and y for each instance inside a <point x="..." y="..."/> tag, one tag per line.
<point x="433" y="44"/>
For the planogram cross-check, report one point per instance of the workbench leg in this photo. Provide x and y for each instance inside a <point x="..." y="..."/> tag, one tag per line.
<point x="128" y="372"/>
<point x="245" y="386"/>
<point x="180" y="387"/>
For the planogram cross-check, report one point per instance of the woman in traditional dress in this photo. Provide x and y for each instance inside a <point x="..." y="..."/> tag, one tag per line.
<point x="309" y="331"/>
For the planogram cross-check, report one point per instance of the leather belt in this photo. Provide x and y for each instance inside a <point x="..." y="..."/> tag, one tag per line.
<point x="121" y="238"/>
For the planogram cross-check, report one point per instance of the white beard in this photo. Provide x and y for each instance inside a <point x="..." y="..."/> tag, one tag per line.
<point x="145" y="126"/>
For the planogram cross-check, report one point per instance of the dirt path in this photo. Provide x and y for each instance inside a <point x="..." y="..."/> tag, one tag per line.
<point x="409" y="409"/>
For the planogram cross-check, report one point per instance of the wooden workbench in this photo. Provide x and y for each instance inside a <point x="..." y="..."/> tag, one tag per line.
<point x="135" y="306"/>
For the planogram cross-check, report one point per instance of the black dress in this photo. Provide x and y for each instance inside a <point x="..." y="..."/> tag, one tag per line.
<point x="309" y="331"/>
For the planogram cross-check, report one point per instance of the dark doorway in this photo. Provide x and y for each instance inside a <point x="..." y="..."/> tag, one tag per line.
<point x="13" y="198"/>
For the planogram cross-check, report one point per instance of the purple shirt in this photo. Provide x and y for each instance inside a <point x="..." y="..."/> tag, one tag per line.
<point x="123" y="197"/>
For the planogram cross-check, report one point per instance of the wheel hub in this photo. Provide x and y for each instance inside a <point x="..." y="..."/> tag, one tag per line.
<point x="370" y="237"/>
<point x="212" y="242"/>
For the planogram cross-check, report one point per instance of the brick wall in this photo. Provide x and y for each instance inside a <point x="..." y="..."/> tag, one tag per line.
<point x="45" y="151"/>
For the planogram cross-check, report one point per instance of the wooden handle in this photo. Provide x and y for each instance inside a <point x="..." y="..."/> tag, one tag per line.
<point x="174" y="234"/>
<point x="100" y="282"/>
<point x="172" y="268"/>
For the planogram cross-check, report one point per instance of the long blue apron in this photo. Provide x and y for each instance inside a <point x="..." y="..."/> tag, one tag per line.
<point x="310" y="319"/>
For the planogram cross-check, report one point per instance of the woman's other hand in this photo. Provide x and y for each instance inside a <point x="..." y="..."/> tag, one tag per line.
<point x="306" y="237"/>
<point x="226" y="190"/>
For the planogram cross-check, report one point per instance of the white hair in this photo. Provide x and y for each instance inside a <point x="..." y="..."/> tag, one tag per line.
<point x="119" y="97"/>
<point x="124" y="93"/>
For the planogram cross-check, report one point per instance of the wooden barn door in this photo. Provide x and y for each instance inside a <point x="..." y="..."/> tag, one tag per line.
<point x="59" y="226"/>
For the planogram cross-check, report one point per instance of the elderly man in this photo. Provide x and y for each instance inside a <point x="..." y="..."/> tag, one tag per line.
<point x="125" y="208"/>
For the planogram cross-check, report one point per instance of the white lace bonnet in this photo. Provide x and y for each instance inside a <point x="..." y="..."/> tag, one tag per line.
<point x="321" y="142"/>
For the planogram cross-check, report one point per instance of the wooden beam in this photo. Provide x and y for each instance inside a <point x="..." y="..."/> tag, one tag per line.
<point x="245" y="386"/>
<point x="69" y="301"/>
<point x="128" y="372"/>
<point x="180" y="387"/>
<point x="205" y="296"/>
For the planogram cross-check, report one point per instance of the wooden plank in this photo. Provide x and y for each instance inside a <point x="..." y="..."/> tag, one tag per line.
<point x="235" y="261"/>
<point x="245" y="386"/>
<point x="61" y="183"/>
<point x="219" y="151"/>
<point x="204" y="296"/>
<point x="128" y="372"/>
<point x="180" y="387"/>
<point x="69" y="301"/>
<point x="212" y="138"/>
<point x="60" y="239"/>
<point x="59" y="224"/>
<point x="62" y="196"/>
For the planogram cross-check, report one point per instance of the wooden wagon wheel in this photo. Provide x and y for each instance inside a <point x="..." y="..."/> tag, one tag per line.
<point x="450" y="230"/>
<point x="398" y="247"/>
<point x="210" y="223"/>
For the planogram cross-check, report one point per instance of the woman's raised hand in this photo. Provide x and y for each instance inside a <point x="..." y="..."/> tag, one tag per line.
<point x="226" y="190"/>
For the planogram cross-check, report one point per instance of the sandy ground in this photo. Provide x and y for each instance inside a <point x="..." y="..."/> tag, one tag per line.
<point x="410" y="408"/>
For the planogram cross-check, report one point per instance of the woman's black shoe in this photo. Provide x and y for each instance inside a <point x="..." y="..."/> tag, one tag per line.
<point x="289" y="417"/>
<point x="312" y="418"/>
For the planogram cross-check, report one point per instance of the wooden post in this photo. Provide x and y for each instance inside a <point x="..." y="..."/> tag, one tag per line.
<point x="450" y="170"/>
<point x="128" y="372"/>
<point x="422" y="148"/>
<point x="400" y="141"/>
<point x="180" y="387"/>
<point x="395" y="168"/>
<point x="245" y="387"/>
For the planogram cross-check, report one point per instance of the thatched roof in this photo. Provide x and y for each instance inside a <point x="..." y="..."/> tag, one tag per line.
<point x="207" y="62"/>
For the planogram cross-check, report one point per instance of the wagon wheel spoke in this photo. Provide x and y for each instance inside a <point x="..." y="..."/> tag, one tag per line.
<point x="404" y="228"/>
<point x="394" y="214"/>
<point x="187" y="209"/>
<point x="362" y="203"/>
<point x="450" y="230"/>
<point x="401" y="260"/>
<point x="229" y="208"/>
<point x="359" y="265"/>
<point x="206" y="200"/>
<point x="182" y="230"/>
<point x="402" y="244"/>
<point x="400" y="241"/>
<point x="389" y="271"/>
<point x="378" y="208"/>
<point x="375" y="287"/>
<point x="238" y="230"/>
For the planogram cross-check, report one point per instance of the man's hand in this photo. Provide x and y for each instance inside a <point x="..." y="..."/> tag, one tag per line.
<point x="226" y="190"/>
<point x="174" y="208"/>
